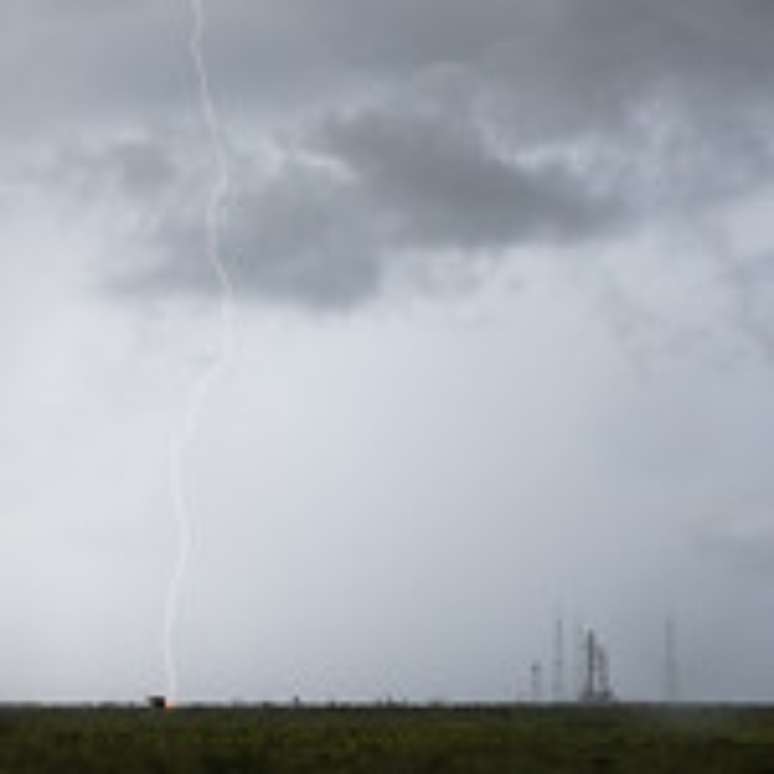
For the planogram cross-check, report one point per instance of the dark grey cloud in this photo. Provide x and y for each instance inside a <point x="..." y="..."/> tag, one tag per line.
<point x="364" y="192"/>
<point x="304" y="237"/>
<point x="607" y="69"/>
<point x="558" y="64"/>
<point x="138" y="169"/>
<point x="79" y="67"/>
<point x="445" y="186"/>
<point x="404" y="129"/>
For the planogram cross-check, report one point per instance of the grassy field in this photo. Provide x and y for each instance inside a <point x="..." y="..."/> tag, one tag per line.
<point x="711" y="740"/>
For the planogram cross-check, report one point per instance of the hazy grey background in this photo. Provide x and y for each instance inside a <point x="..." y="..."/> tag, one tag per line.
<point x="504" y="274"/>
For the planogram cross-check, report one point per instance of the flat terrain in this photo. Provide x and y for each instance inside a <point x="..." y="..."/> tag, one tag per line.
<point x="372" y="740"/>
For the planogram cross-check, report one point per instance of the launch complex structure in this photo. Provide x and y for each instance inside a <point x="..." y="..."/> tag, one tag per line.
<point x="593" y="683"/>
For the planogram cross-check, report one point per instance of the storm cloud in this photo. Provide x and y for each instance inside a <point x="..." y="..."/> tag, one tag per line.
<point x="504" y="283"/>
<point x="367" y="140"/>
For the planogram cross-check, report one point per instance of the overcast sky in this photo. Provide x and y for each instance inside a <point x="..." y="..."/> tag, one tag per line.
<point x="503" y="275"/>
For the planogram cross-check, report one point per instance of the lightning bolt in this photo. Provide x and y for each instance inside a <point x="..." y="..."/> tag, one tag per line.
<point x="202" y="387"/>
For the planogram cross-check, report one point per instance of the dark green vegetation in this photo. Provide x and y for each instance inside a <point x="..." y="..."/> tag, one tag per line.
<point x="389" y="739"/>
